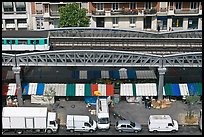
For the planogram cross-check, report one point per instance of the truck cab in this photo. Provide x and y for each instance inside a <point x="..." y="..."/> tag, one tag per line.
<point x="52" y="124"/>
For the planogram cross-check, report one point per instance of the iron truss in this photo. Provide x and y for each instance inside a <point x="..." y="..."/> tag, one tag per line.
<point x="102" y="58"/>
<point x="87" y="32"/>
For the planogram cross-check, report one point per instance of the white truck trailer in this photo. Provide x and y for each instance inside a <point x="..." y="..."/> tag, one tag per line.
<point x="162" y="123"/>
<point x="80" y="123"/>
<point x="102" y="113"/>
<point x="200" y="120"/>
<point x="32" y="119"/>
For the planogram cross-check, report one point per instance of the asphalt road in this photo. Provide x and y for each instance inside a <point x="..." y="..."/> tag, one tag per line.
<point x="183" y="130"/>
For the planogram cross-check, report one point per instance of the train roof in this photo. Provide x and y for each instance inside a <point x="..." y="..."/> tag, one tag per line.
<point x="24" y="34"/>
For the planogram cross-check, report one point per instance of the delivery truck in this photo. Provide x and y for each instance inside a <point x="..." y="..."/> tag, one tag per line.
<point x="162" y="123"/>
<point x="102" y="113"/>
<point x="80" y="123"/>
<point x="32" y="119"/>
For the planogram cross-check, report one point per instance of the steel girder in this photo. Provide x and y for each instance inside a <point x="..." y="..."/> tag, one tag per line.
<point x="102" y="58"/>
<point x="193" y="59"/>
<point x="8" y="59"/>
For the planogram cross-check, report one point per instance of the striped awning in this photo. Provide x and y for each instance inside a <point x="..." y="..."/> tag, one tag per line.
<point x="60" y="89"/>
<point x="140" y="89"/>
<point x="114" y="74"/>
<point x="184" y="89"/>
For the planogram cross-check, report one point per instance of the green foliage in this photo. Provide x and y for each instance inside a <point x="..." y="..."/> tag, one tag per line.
<point x="72" y="16"/>
<point x="50" y="94"/>
<point x="191" y="100"/>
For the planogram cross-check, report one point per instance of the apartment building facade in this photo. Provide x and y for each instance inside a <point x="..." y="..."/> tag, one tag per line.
<point x="146" y="15"/>
<point x="123" y="15"/>
<point x="16" y="15"/>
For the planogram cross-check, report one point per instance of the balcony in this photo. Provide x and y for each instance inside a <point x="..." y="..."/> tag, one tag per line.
<point x="150" y="11"/>
<point x="54" y="13"/>
<point x="98" y="12"/>
<point x="10" y="26"/>
<point x="38" y="11"/>
<point x="46" y="15"/>
<point x="125" y="12"/>
<point x="22" y="25"/>
<point x="190" y="11"/>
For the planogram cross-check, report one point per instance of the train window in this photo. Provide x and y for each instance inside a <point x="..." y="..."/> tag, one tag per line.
<point x="22" y="42"/>
<point x="11" y="42"/>
<point x="45" y="41"/>
<point x="33" y="42"/>
<point x="37" y="42"/>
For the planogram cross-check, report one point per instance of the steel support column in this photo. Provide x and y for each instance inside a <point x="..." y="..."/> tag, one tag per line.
<point x="18" y="85"/>
<point x="161" y="82"/>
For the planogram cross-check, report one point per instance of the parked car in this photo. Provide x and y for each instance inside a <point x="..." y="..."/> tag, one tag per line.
<point x="127" y="126"/>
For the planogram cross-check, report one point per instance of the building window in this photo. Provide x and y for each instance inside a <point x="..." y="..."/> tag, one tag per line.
<point x="148" y="5"/>
<point x="193" y="5"/>
<point x="115" y="20"/>
<point x="9" y="21"/>
<point x="20" y="6"/>
<point x="115" y="6"/>
<point x="39" y="8"/>
<point x="39" y="22"/>
<point x="99" y="6"/>
<point x="193" y="23"/>
<point x="132" y="20"/>
<point x="178" y="5"/>
<point x="177" y="22"/>
<point x="8" y="6"/>
<point x="132" y="5"/>
<point x="46" y="8"/>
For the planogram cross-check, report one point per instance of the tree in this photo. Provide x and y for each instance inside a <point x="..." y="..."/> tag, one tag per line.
<point x="49" y="95"/>
<point x="71" y="15"/>
<point x="191" y="101"/>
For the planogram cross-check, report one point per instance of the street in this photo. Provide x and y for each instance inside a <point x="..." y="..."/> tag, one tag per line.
<point x="183" y="130"/>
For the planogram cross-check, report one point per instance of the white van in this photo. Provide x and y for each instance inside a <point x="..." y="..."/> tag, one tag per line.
<point x="80" y="123"/>
<point x="102" y="113"/>
<point x="162" y="123"/>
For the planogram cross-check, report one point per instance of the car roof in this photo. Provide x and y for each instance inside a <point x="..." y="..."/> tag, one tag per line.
<point x="123" y="121"/>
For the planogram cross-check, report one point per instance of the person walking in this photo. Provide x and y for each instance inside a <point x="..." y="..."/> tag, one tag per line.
<point x="158" y="28"/>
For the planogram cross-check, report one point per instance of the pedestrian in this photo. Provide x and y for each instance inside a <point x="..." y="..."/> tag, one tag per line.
<point x="145" y="103"/>
<point x="149" y="104"/>
<point x="158" y="28"/>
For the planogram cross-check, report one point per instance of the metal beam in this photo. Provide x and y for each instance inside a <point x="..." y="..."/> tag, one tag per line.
<point x="102" y="58"/>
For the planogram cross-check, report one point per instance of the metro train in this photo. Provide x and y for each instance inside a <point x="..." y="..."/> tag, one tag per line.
<point x="25" y="41"/>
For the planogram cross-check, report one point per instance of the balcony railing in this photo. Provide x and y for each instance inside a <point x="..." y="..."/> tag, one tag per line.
<point x="98" y="12"/>
<point x="124" y="12"/>
<point x="54" y="13"/>
<point x="150" y="11"/>
<point x="163" y="10"/>
<point x="9" y="26"/>
<point x="190" y="11"/>
<point x="22" y="25"/>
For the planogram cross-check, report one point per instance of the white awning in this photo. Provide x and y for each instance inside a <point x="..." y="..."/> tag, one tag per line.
<point x="140" y="89"/>
<point x="82" y="74"/>
<point x="145" y="74"/>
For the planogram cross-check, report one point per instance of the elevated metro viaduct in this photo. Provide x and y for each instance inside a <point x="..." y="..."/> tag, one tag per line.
<point x="124" y="58"/>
